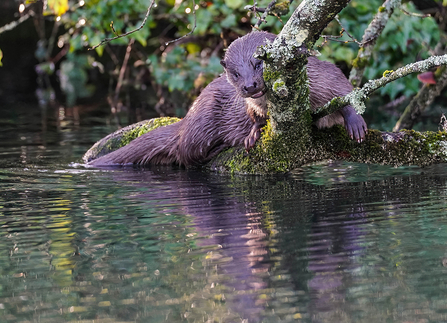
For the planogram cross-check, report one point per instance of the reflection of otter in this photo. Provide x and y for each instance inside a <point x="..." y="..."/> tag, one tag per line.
<point x="231" y="110"/>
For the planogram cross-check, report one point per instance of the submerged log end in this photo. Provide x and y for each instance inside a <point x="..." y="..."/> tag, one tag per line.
<point x="123" y="136"/>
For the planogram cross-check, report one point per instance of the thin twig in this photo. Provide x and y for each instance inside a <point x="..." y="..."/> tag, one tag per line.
<point x="123" y="70"/>
<point x="128" y="33"/>
<point x="193" y="28"/>
<point x="14" y="24"/>
<point x="114" y="103"/>
<point x="52" y="39"/>
<point x="336" y="38"/>
<point x="414" y="14"/>
<point x="264" y="15"/>
<point x="343" y="29"/>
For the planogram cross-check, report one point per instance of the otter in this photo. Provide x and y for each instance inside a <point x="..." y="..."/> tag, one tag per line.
<point x="231" y="111"/>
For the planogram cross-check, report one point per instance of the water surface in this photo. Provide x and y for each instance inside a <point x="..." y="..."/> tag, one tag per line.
<point x="335" y="242"/>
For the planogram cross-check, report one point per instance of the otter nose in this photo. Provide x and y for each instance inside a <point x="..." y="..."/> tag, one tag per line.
<point x="252" y="88"/>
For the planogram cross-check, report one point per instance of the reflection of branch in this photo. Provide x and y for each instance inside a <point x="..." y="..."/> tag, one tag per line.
<point x="357" y="97"/>
<point x="128" y="33"/>
<point x="193" y="27"/>
<point x="14" y="24"/>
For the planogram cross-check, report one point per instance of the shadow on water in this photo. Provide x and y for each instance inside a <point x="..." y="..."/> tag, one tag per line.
<point x="335" y="242"/>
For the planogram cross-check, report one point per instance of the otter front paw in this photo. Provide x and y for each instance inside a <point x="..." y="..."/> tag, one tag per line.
<point x="356" y="127"/>
<point x="251" y="139"/>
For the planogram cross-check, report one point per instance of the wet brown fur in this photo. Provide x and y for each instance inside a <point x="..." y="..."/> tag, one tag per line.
<point x="225" y="114"/>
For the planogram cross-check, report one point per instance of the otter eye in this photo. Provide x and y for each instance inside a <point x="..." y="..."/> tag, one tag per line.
<point x="236" y="74"/>
<point x="258" y="65"/>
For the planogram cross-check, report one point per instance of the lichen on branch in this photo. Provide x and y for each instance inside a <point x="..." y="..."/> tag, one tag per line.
<point x="358" y="96"/>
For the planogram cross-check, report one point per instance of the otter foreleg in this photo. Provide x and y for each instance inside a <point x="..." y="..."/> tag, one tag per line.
<point x="254" y="135"/>
<point x="354" y="123"/>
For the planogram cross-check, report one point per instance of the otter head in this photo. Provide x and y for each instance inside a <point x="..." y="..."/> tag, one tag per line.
<point x="244" y="71"/>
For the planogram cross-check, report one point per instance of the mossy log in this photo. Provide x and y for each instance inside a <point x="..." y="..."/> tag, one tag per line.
<point x="123" y="136"/>
<point x="406" y="147"/>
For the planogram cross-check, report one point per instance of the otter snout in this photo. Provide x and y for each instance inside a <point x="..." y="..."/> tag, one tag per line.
<point x="251" y="89"/>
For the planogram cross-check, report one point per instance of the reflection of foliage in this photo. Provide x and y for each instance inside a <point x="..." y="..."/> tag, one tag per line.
<point x="73" y="78"/>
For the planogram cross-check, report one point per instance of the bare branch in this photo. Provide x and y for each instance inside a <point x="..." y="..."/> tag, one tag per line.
<point x="264" y="15"/>
<point x="193" y="27"/>
<point x="421" y="101"/>
<point x="273" y="9"/>
<point x="14" y="24"/>
<point x="128" y="33"/>
<point x="415" y="14"/>
<point x="370" y="36"/>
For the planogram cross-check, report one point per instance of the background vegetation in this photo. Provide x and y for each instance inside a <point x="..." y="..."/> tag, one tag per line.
<point x="159" y="79"/>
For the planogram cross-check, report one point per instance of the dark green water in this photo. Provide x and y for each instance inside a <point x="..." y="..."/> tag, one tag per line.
<point x="330" y="243"/>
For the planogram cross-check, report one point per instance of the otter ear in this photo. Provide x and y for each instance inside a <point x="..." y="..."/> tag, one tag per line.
<point x="223" y="63"/>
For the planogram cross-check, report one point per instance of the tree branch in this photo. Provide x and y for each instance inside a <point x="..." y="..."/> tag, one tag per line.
<point x="14" y="24"/>
<point x="369" y="39"/>
<point x="357" y="97"/>
<point x="193" y="27"/>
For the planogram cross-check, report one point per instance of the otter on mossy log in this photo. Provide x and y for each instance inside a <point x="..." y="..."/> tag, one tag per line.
<point x="231" y="111"/>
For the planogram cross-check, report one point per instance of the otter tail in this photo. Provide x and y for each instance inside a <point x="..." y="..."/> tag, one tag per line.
<point x="155" y="147"/>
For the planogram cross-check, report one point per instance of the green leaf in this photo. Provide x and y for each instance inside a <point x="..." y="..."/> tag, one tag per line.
<point x="344" y="53"/>
<point x="176" y="81"/>
<point x="141" y="37"/>
<point x="229" y="21"/>
<point x="204" y="18"/>
<point x="234" y="4"/>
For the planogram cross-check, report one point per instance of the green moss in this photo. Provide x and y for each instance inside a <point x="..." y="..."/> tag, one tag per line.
<point x="271" y="75"/>
<point x="387" y="72"/>
<point x="274" y="153"/>
<point x="382" y="9"/>
<point x="360" y="62"/>
<point x="137" y="131"/>
<point x="278" y="83"/>
<point x="407" y="147"/>
<point x="439" y="71"/>
<point x="124" y="136"/>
